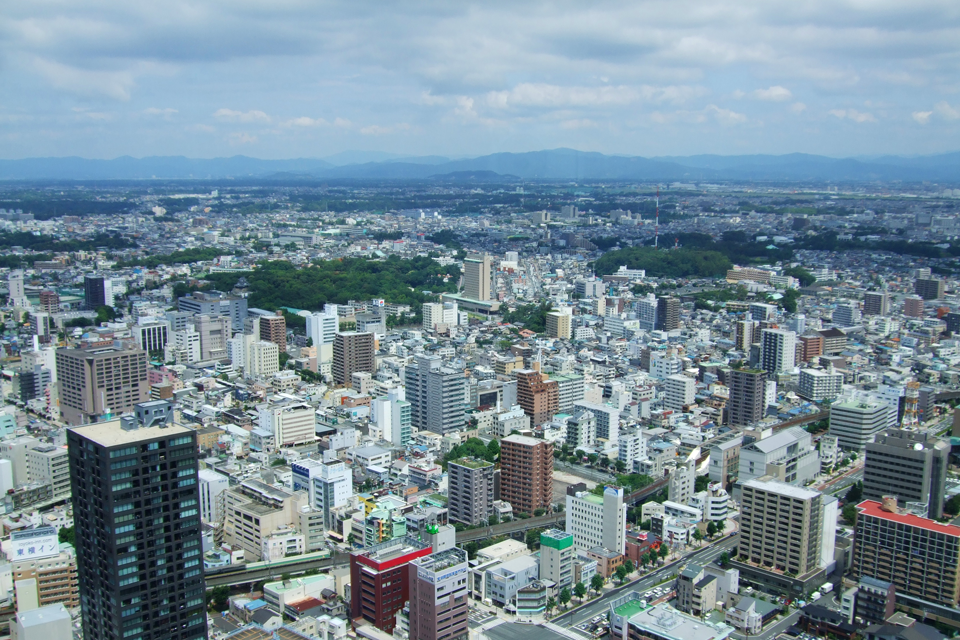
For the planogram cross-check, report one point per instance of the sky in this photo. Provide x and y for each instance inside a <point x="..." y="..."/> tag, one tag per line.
<point x="312" y="78"/>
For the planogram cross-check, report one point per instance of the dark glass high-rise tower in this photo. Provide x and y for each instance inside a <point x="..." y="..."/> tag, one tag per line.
<point x="137" y="517"/>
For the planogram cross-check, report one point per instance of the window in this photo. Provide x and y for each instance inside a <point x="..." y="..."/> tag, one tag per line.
<point x="119" y="453"/>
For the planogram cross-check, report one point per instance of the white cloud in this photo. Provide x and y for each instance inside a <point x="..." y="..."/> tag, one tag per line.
<point x="773" y="94"/>
<point x="945" y="110"/>
<point x="241" y="116"/>
<point x="154" y="111"/>
<point x="115" y="85"/>
<point x="922" y="117"/>
<point x="304" y="121"/>
<point x="798" y="107"/>
<point x="854" y="115"/>
<point x="242" y="138"/>
<point x="726" y="116"/>
<point x="551" y="96"/>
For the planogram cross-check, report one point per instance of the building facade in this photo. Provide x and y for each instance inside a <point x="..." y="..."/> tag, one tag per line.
<point x="526" y="473"/>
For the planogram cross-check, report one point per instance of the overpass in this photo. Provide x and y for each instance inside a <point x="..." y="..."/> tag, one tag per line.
<point x="514" y="526"/>
<point x="241" y="574"/>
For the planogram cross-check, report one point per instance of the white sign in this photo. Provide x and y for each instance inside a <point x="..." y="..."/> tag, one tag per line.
<point x="42" y="542"/>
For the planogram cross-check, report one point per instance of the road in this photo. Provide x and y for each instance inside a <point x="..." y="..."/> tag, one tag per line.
<point x="267" y="573"/>
<point x="601" y="605"/>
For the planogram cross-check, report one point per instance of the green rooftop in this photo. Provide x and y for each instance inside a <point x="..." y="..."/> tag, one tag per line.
<point x="471" y="463"/>
<point x="629" y="609"/>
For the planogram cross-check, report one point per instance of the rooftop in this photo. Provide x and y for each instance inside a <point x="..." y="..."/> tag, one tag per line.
<point x="472" y="463"/>
<point x="630" y="608"/>
<point x="872" y="508"/>
<point x="111" y="434"/>
<point x="782" y="488"/>
<point x="663" y="621"/>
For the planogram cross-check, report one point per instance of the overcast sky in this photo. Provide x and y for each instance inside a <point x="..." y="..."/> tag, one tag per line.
<point x="292" y="78"/>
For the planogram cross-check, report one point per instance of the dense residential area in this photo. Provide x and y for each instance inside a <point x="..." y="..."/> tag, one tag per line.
<point x="479" y="408"/>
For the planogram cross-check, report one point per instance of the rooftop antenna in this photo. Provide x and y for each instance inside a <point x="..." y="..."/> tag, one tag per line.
<point x="656" y="232"/>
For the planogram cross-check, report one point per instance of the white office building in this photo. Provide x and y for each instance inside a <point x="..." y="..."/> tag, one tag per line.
<point x="678" y="391"/>
<point x="778" y="350"/>
<point x="211" y="484"/>
<point x="598" y="521"/>
<point x="788" y="456"/>
<point x="818" y="385"/>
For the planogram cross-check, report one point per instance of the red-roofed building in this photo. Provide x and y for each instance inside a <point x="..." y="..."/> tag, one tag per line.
<point x="921" y="557"/>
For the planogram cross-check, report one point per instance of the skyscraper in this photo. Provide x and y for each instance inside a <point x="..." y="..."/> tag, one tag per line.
<point x="477" y="277"/>
<point x="746" y="396"/>
<point x="526" y="473"/>
<point x="352" y="352"/>
<point x="136" y="513"/>
<point x="97" y="292"/>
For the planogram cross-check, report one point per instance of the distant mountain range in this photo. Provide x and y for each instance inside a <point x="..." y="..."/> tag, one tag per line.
<point x="555" y="164"/>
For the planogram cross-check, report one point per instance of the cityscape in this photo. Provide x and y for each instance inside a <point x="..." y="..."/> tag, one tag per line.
<point x="480" y="321"/>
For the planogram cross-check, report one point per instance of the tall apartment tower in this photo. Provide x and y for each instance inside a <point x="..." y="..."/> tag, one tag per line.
<point x="537" y="395"/>
<point x="470" y="491"/>
<point x="559" y="325"/>
<point x="668" y="314"/>
<point x="678" y="391"/>
<point x="322" y="328"/>
<point x="438" y="596"/>
<point x="747" y="387"/>
<point x="17" y="296"/>
<point x="928" y="288"/>
<point x="49" y="301"/>
<point x="477" y="272"/>
<point x="526" y="473"/>
<point x="352" y="352"/>
<point x="214" y="331"/>
<point x="908" y="465"/>
<point x="781" y="527"/>
<point x="876" y="303"/>
<point x="436" y="395"/>
<point x="913" y="306"/>
<point x="137" y="519"/>
<point x="97" y="292"/>
<point x="744" y="332"/>
<point x="95" y="382"/>
<point x="274" y="329"/>
<point x="778" y="350"/>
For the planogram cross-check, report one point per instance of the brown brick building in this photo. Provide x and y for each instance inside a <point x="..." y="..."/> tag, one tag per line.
<point x="274" y="329"/>
<point x="537" y="395"/>
<point x="526" y="473"/>
<point x="352" y="352"/>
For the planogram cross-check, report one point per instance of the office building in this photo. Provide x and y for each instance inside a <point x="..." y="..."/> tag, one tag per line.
<point x="440" y="313"/>
<point x="598" y="521"/>
<point x="646" y="312"/>
<point x="477" y="278"/>
<point x="97" y="292"/>
<point x="559" y="324"/>
<point x="380" y="580"/>
<point x="263" y="359"/>
<point x="274" y="329"/>
<point x="291" y="423"/>
<point x="352" y="352"/>
<point x="212" y="485"/>
<point x="913" y="307"/>
<point x="213" y="331"/>
<point x="49" y="301"/>
<point x="678" y="391"/>
<point x="329" y="484"/>
<point x="537" y="394"/>
<point x="908" y="465"/>
<point x="17" y="296"/>
<point x="322" y="329"/>
<point x="846" y="315"/>
<point x="788" y="456"/>
<point x="876" y="303"/>
<point x="856" y="422"/>
<point x="183" y="347"/>
<point x="581" y="430"/>
<point x="137" y="520"/>
<point x="50" y="464"/>
<point x="394" y="415"/>
<point x="438" y="596"/>
<point x="781" y="529"/>
<point x="818" y="385"/>
<point x="436" y="394"/>
<point x="215" y="303"/>
<point x="95" y="382"/>
<point x="45" y="623"/>
<point x="668" y="314"/>
<point x="526" y="473"/>
<point x="569" y="390"/>
<point x="919" y="556"/>
<point x="928" y="288"/>
<point x="745" y="406"/>
<point x="683" y="479"/>
<point x="778" y="349"/>
<point x="607" y="417"/>
<point x="557" y="555"/>
<point x="725" y="457"/>
<point x="470" y="491"/>
<point x="152" y="336"/>
<point x="38" y="560"/>
<point x="744" y="332"/>
<point x="762" y="312"/>
<point x="811" y="346"/>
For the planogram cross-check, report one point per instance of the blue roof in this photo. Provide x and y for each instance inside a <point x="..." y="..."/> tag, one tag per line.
<point x="255" y="604"/>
